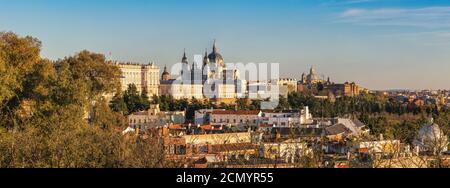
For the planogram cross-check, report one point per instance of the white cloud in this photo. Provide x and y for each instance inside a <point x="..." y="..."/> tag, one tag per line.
<point x="352" y="13"/>
<point x="428" y="17"/>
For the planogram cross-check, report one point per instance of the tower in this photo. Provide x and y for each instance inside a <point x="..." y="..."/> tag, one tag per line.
<point x="165" y="75"/>
<point x="205" y="58"/>
<point x="184" y="58"/>
<point x="185" y="72"/>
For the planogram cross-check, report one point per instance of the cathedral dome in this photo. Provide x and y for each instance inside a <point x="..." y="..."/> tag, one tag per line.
<point x="431" y="138"/>
<point x="215" y="57"/>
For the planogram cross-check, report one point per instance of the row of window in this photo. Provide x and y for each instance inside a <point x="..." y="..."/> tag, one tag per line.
<point x="175" y="149"/>
<point x="234" y="121"/>
<point x="145" y="121"/>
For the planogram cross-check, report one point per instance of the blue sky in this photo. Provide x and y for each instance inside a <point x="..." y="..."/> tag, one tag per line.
<point x="381" y="44"/>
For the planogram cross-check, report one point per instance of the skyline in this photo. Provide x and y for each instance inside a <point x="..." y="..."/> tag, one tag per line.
<point x="380" y="44"/>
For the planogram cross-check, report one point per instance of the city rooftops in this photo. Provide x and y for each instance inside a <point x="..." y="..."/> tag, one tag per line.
<point x="337" y="129"/>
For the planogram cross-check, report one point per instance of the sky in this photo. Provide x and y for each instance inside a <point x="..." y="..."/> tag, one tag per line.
<point x="379" y="44"/>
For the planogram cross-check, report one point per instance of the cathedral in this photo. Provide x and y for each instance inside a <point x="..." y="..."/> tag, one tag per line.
<point x="212" y="79"/>
<point x="312" y="78"/>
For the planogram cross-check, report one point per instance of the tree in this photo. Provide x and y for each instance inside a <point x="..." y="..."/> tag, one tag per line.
<point x="18" y="55"/>
<point x="283" y="103"/>
<point x="118" y="104"/>
<point x="242" y="103"/>
<point x="130" y="101"/>
<point x="92" y="69"/>
<point x="51" y="129"/>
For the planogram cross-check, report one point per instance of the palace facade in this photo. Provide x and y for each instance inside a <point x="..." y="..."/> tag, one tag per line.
<point x="144" y="76"/>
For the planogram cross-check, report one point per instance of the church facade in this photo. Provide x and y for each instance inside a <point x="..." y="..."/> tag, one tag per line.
<point x="209" y="79"/>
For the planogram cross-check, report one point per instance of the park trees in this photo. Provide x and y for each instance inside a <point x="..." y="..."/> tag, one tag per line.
<point x="130" y="101"/>
<point x="55" y="114"/>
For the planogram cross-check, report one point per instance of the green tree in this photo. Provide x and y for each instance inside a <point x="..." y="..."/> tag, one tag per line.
<point x="283" y="103"/>
<point x="18" y="55"/>
<point x="118" y="104"/>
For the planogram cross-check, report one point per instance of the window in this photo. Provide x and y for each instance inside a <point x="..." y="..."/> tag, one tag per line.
<point x="203" y="149"/>
<point x="180" y="150"/>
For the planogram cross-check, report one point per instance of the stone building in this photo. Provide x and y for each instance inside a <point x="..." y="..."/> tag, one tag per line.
<point x="209" y="79"/>
<point x="144" y="76"/>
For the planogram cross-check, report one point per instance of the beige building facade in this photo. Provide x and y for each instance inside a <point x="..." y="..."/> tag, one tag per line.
<point x="144" y="76"/>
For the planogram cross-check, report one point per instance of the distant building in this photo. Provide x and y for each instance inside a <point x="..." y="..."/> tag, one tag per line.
<point x="144" y="77"/>
<point x="235" y="117"/>
<point x="353" y="127"/>
<point x="383" y="147"/>
<point x="289" y="83"/>
<point x="312" y="78"/>
<point x="288" y="151"/>
<point x="212" y="139"/>
<point x="431" y="139"/>
<point x="211" y="80"/>
<point x="154" y="117"/>
<point x="345" y="89"/>
<point x="312" y="84"/>
<point x="286" y="118"/>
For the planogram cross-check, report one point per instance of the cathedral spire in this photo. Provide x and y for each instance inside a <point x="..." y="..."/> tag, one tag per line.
<point x="184" y="59"/>
<point x="214" y="46"/>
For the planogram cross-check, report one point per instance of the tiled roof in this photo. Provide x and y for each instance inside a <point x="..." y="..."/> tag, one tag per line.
<point x="175" y="126"/>
<point x="206" y="127"/>
<point x="358" y="123"/>
<point x="337" y="129"/>
<point x="265" y="125"/>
